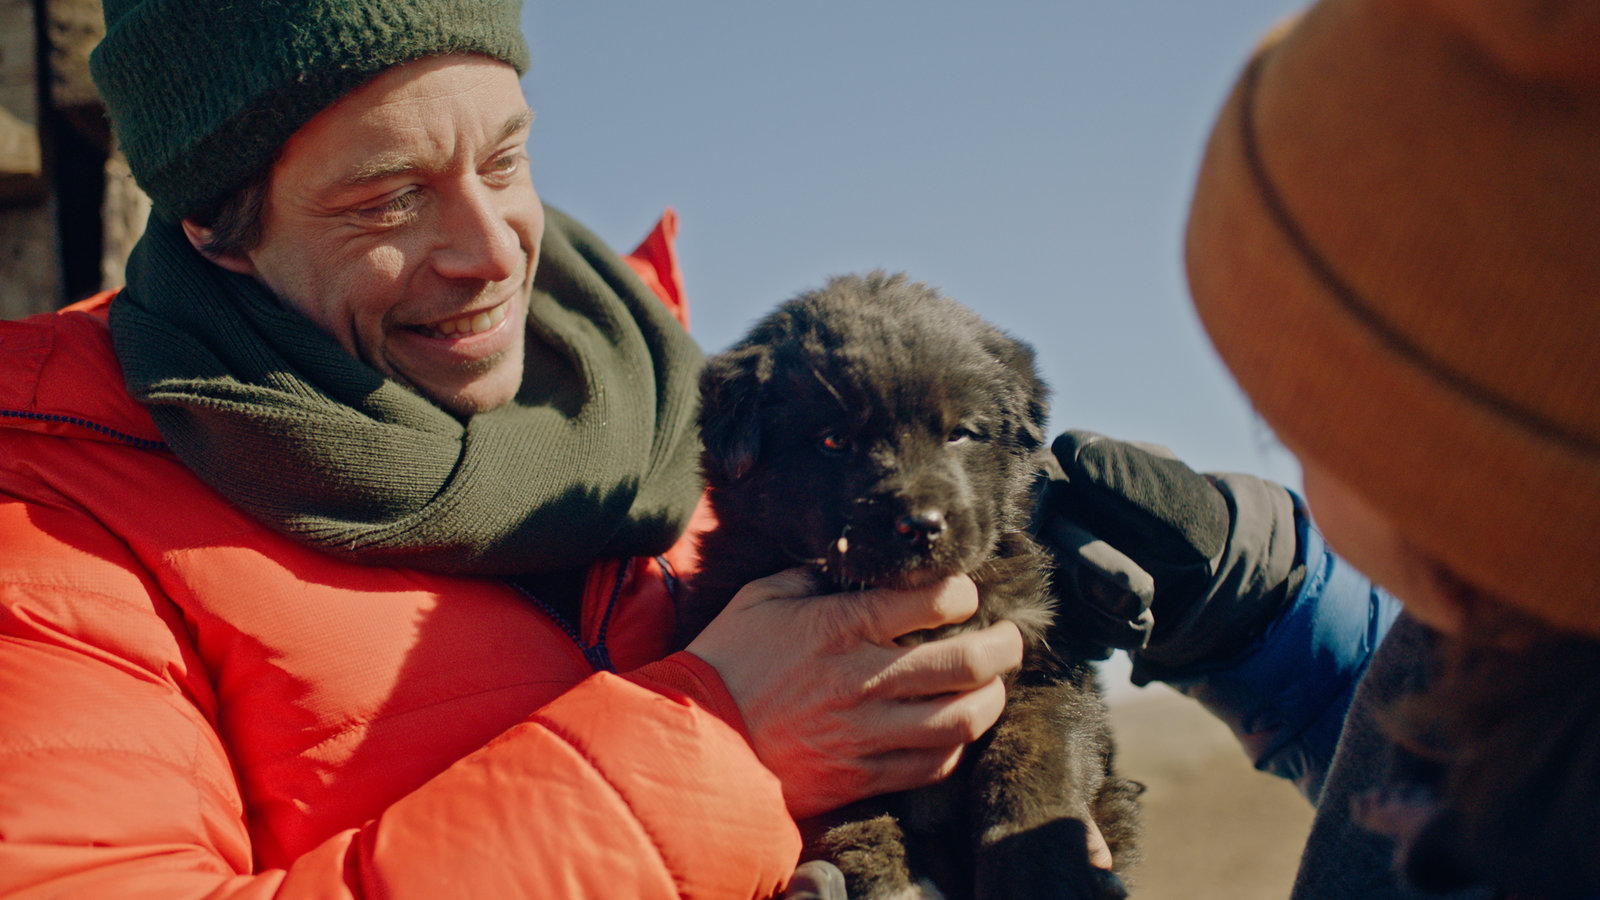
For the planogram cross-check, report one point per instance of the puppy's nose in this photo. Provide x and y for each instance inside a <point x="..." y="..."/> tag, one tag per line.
<point x="922" y="526"/>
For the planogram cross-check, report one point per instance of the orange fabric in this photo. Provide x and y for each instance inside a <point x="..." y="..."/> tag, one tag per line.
<point x="655" y="261"/>
<point x="191" y="705"/>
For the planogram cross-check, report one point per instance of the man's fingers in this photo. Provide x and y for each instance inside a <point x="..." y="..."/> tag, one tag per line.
<point x="912" y="767"/>
<point x="942" y="722"/>
<point x="1099" y="850"/>
<point x="882" y="615"/>
<point x="835" y="706"/>
<point x="869" y="776"/>
<point x="958" y="663"/>
<point x="879" y="615"/>
<point x="788" y="584"/>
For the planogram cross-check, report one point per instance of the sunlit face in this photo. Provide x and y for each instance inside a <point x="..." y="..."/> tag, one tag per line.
<point x="402" y="221"/>
<point x="1368" y="540"/>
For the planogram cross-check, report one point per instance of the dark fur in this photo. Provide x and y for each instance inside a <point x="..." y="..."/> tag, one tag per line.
<point x="879" y="412"/>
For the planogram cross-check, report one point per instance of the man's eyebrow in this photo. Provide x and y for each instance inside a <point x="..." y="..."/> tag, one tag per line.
<point x="389" y="165"/>
<point x="516" y="123"/>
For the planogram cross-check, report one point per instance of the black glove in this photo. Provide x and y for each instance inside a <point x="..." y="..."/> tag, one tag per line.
<point x="1155" y="558"/>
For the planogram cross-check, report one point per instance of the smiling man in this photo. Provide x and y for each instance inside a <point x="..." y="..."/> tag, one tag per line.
<point x="341" y="545"/>
<point x="401" y="220"/>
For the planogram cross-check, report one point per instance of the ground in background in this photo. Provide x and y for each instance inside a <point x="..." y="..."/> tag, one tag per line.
<point x="1215" y="828"/>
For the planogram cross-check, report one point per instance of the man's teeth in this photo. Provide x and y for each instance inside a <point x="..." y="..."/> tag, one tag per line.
<point x="473" y="324"/>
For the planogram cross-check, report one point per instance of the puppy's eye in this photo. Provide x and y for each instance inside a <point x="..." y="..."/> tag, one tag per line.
<point x="834" y="442"/>
<point x="962" y="435"/>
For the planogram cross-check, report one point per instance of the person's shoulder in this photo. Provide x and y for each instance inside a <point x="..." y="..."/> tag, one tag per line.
<point x="59" y="373"/>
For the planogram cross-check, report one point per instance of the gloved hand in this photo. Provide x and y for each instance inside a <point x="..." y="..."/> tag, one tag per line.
<point x="1155" y="558"/>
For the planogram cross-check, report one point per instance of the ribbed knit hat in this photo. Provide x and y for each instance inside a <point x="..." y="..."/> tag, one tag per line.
<point x="1394" y="244"/>
<point x="202" y="94"/>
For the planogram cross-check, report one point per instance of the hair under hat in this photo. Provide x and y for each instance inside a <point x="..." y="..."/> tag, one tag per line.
<point x="202" y="95"/>
<point x="1392" y="245"/>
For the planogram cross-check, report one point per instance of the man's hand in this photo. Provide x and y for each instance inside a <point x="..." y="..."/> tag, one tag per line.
<point x="837" y="709"/>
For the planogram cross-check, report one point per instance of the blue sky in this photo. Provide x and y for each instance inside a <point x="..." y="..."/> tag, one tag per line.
<point x="1031" y="159"/>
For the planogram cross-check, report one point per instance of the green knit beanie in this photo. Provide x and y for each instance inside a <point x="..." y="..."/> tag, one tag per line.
<point x="202" y="95"/>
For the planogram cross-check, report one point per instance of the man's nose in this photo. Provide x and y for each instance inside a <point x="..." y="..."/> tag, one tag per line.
<point x="477" y="240"/>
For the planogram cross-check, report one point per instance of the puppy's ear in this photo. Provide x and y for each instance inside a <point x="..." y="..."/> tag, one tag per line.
<point x="1018" y="358"/>
<point x="730" y="412"/>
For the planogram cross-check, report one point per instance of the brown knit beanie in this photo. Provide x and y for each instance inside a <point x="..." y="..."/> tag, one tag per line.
<point x="1395" y="246"/>
<point x="202" y="95"/>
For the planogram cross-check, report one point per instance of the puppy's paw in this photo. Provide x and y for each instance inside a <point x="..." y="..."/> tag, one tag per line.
<point x="1046" y="862"/>
<point x="872" y="855"/>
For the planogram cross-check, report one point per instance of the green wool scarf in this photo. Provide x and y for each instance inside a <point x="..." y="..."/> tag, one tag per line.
<point x="596" y="456"/>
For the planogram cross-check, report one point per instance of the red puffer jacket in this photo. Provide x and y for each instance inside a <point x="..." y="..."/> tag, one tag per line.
<point x="192" y="705"/>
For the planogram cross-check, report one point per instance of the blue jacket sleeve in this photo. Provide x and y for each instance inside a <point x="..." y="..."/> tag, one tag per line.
<point x="1285" y="696"/>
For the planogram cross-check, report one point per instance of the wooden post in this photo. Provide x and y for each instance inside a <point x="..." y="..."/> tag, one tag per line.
<point x="28" y="278"/>
<point x="69" y="211"/>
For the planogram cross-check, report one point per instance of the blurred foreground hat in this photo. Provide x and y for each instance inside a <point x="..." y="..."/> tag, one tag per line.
<point x="202" y="95"/>
<point x="1395" y="246"/>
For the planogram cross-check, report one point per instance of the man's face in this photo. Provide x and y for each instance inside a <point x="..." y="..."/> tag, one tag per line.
<point x="402" y="221"/>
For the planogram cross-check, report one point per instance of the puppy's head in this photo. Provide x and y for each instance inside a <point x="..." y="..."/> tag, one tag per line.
<point x="875" y="430"/>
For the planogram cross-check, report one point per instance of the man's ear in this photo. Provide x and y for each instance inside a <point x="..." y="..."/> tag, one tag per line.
<point x="232" y="260"/>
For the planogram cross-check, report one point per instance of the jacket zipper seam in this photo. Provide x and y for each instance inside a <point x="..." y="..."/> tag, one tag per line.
<point x="597" y="654"/>
<point x="130" y="440"/>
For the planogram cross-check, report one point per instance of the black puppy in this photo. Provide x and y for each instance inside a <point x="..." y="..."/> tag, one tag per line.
<point x="884" y="435"/>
